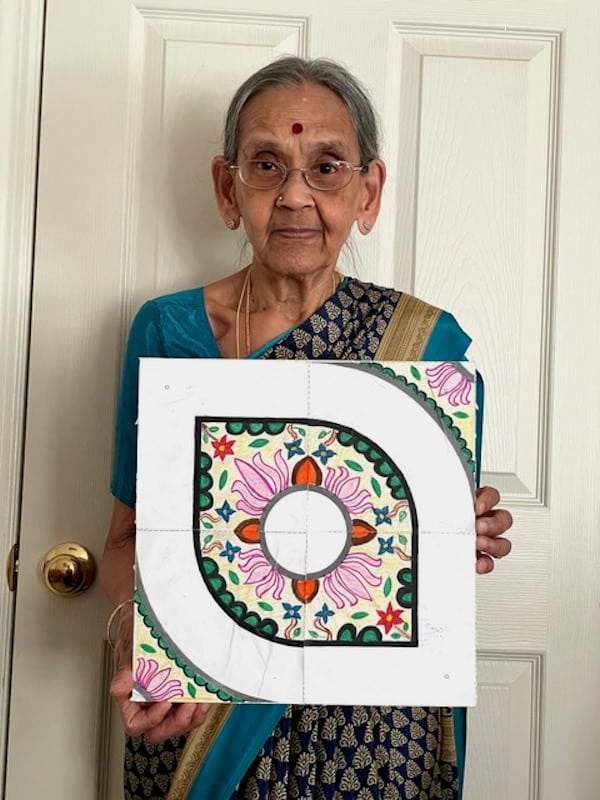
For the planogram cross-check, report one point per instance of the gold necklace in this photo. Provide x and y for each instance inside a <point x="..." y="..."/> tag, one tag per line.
<point x="244" y="299"/>
<point x="244" y="294"/>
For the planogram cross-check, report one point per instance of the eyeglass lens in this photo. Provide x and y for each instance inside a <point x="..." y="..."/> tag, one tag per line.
<point x="325" y="175"/>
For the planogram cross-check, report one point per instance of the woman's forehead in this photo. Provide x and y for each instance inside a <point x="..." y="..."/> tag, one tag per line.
<point x="308" y="113"/>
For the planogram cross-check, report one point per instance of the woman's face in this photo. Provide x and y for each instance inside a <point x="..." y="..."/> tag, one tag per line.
<point x="303" y="232"/>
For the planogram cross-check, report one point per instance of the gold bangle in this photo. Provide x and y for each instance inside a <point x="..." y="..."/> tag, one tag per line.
<point x="112" y="618"/>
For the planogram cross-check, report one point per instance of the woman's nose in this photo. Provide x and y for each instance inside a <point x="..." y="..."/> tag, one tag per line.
<point x="296" y="192"/>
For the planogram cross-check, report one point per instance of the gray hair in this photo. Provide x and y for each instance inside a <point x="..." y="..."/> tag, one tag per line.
<point x="294" y="71"/>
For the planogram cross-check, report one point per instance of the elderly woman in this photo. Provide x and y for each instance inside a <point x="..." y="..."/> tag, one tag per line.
<point x="300" y="168"/>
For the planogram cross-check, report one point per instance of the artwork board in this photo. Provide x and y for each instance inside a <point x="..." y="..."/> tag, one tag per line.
<point x="305" y="532"/>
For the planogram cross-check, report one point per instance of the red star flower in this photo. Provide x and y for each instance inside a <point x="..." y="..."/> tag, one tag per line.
<point x="223" y="447"/>
<point x="389" y="618"/>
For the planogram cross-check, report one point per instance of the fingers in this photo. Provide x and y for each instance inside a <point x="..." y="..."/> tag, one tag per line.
<point x="182" y="718"/>
<point x="158" y="721"/>
<point x="494" y="523"/>
<point x="486" y="498"/>
<point x="490" y="525"/>
<point x="497" y="547"/>
<point x="484" y="564"/>
<point x="139" y="718"/>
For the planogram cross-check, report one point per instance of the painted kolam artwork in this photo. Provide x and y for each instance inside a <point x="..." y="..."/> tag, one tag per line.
<point x="305" y="532"/>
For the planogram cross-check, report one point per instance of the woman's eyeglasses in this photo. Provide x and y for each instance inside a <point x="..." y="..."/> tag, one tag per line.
<point x="324" y="175"/>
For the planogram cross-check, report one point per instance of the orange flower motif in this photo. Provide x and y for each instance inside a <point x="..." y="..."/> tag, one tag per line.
<point x="223" y="447"/>
<point x="389" y="618"/>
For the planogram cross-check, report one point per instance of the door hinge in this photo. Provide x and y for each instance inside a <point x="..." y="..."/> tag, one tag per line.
<point x="12" y="567"/>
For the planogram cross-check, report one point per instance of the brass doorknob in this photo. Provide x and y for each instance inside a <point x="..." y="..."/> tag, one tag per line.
<point x="68" y="569"/>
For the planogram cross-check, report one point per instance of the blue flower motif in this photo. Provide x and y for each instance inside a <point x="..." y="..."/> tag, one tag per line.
<point x="294" y="448"/>
<point x="291" y="612"/>
<point x="230" y="551"/>
<point x="323" y="453"/>
<point x="382" y="515"/>
<point x="385" y="545"/>
<point x="325" y="613"/>
<point x="226" y="511"/>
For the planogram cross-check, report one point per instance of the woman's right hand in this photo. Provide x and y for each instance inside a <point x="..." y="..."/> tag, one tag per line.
<point x="157" y="721"/>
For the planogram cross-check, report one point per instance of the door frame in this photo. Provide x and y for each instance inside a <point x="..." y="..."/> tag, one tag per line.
<point x="21" y="52"/>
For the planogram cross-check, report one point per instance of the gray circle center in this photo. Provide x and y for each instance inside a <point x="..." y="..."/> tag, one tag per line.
<point x="305" y="532"/>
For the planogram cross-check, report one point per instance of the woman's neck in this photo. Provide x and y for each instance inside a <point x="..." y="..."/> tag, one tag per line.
<point x="292" y="298"/>
<point x="252" y="307"/>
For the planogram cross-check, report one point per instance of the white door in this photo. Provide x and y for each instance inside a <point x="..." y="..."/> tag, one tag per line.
<point x="481" y="104"/>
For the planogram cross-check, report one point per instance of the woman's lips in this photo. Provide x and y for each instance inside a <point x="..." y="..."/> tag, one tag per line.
<point x="298" y="233"/>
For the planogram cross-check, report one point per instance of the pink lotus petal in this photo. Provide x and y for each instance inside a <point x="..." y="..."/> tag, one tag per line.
<point x="283" y="469"/>
<point x="252" y="555"/>
<point x="256" y="573"/>
<point x="256" y="487"/>
<point x="348" y="488"/>
<point x="254" y="510"/>
<point x="170" y="690"/>
<point x="159" y="679"/>
<point x="268" y="474"/>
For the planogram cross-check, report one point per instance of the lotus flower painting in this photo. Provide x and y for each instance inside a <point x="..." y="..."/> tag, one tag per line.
<point x="306" y="532"/>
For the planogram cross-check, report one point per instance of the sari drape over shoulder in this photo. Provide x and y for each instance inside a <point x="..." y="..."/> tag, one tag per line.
<point x="238" y="752"/>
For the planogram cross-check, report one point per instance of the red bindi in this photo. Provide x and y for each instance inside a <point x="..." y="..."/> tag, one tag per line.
<point x="297" y="127"/>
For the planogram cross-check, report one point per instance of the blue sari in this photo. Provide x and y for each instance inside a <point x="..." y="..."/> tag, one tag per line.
<point x="315" y="752"/>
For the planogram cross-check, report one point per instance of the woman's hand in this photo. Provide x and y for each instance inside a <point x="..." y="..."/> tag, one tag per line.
<point x="490" y="525"/>
<point x="158" y="721"/>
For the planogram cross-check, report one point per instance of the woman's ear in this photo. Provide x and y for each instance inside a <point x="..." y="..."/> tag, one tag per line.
<point x="372" y="190"/>
<point x="224" y="187"/>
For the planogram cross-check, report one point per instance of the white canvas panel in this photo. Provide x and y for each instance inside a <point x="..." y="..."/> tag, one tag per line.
<point x="306" y="532"/>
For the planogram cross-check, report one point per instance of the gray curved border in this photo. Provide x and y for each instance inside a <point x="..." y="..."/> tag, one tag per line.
<point x="263" y="541"/>
<point x="233" y="692"/>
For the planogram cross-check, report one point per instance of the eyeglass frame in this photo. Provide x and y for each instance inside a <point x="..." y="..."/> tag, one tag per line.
<point x="286" y="171"/>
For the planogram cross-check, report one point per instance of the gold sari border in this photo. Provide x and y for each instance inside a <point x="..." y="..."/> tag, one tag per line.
<point x="197" y="746"/>
<point x="408" y="331"/>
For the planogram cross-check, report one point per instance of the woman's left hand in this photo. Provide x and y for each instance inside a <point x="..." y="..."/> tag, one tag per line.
<point x="490" y="525"/>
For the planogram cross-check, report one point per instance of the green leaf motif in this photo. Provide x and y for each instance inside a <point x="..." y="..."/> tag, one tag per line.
<point x="415" y="373"/>
<point x="402" y="539"/>
<point x="297" y="632"/>
<point x="223" y="479"/>
<point x="191" y="690"/>
<point x="301" y="431"/>
<point x="405" y="626"/>
<point x="322" y="435"/>
<point x="314" y="634"/>
<point x="387" y="587"/>
<point x="359" y="615"/>
<point x="208" y="539"/>
<point x="395" y="635"/>
<point x="402" y="516"/>
<point x="147" y="648"/>
<point x="258" y="443"/>
<point x="213" y="428"/>
<point x="376" y="486"/>
<point x="233" y="577"/>
<point x="353" y="465"/>
<point x="204" y="437"/>
<point x="265" y="606"/>
<point x="208" y="525"/>
<point x="460" y="414"/>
